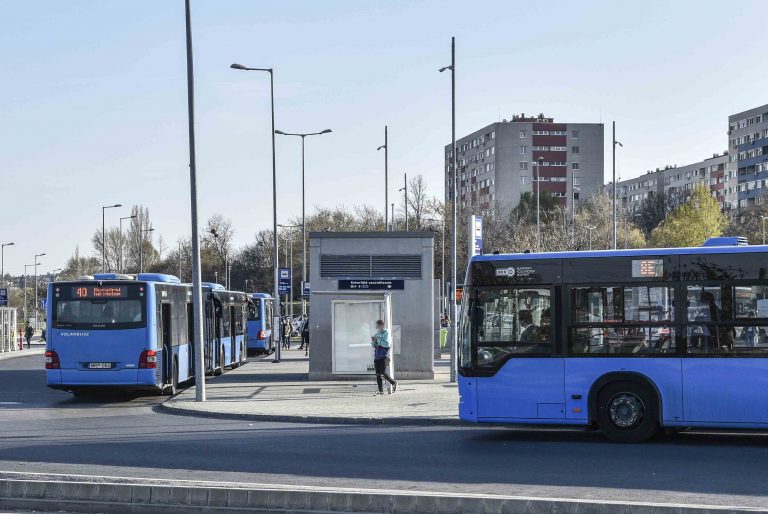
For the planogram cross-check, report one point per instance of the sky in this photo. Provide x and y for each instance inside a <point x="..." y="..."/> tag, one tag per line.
<point x="93" y="99"/>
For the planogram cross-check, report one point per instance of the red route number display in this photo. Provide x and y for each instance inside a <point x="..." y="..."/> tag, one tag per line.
<point x="89" y="292"/>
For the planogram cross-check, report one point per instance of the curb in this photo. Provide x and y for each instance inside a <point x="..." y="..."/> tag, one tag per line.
<point x="21" y="353"/>
<point x="314" y="420"/>
<point x="144" y="496"/>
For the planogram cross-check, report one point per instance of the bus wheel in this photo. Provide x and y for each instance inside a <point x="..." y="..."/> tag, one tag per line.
<point x="220" y="369"/>
<point x="627" y="412"/>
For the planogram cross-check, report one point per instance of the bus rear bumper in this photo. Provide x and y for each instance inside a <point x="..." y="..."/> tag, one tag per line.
<point x="86" y="378"/>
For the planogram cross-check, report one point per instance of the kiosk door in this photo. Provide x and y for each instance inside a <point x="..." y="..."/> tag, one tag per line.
<point x="354" y="322"/>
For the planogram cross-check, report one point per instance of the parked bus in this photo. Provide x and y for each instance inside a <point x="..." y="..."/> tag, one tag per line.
<point x="629" y="341"/>
<point x="128" y="332"/>
<point x="260" y="313"/>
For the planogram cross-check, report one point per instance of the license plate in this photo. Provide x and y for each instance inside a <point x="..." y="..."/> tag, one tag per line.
<point x="100" y="365"/>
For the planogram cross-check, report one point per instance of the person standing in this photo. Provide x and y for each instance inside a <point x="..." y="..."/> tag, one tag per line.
<point x="28" y="333"/>
<point x="287" y="333"/>
<point x="305" y="337"/>
<point x="381" y="344"/>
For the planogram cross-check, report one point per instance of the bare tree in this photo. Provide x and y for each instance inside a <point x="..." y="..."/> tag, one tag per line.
<point x="418" y="201"/>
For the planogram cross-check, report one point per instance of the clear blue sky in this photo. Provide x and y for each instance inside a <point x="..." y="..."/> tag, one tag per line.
<point x="93" y="98"/>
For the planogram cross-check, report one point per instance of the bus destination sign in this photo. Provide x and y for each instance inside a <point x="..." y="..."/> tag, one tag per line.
<point x="648" y="268"/>
<point x="89" y="292"/>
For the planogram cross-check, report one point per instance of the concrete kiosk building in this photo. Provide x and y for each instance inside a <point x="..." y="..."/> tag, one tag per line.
<point x="358" y="277"/>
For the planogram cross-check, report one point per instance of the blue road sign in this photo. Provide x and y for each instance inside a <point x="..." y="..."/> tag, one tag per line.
<point x="305" y="289"/>
<point x="284" y="280"/>
<point x="3" y="297"/>
<point x="43" y="303"/>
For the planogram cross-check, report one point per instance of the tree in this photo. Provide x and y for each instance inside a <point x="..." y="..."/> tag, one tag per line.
<point x="655" y="207"/>
<point x="692" y="223"/>
<point x="78" y="266"/>
<point x="526" y="208"/>
<point x="418" y="201"/>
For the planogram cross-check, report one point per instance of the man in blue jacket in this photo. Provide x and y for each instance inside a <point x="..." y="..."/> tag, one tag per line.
<point x="381" y="344"/>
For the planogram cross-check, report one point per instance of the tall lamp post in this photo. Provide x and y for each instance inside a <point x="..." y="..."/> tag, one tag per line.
<point x="385" y="147"/>
<point x="141" y="246"/>
<point x="303" y="136"/>
<point x="442" y="255"/>
<point x="55" y="273"/>
<point x="26" y="303"/>
<point x="276" y="250"/>
<point x="590" y="228"/>
<point x="404" y="190"/>
<point x="613" y="204"/>
<point x="538" y="203"/>
<point x="36" y="308"/>
<point x="2" y="261"/>
<point x="121" y="238"/>
<point x="290" y="265"/>
<point x="454" y="198"/>
<point x="104" y="236"/>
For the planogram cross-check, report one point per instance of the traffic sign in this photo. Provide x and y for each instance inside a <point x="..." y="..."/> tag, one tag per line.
<point x="284" y="280"/>
<point x="43" y="303"/>
<point x="305" y="289"/>
<point x="3" y="297"/>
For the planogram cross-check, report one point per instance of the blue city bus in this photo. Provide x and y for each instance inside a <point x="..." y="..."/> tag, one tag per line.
<point x="131" y="332"/>
<point x="260" y="313"/>
<point x="627" y="341"/>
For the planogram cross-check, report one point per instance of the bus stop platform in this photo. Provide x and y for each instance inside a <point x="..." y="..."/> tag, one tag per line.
<point x="265" y="391"/>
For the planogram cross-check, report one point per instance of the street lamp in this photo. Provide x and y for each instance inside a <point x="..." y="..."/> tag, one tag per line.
<point x="26" y="318"/>
<point x="290" y="264"/>
<point x="613" y="207"/>
<point x="590" y="228"/>
<point x="2" y="261"/>
<point x="275" y="255"/>
<point x="54" y="273"/>
<point x="36" y="310"/>
<point x="104" y="237"/>
<point x="121" y="238"/>
<point x="303" y="205"/>
<point x="454" y="198"/>
<point x="141" y="246"/>
<point x="385" y="147"/>
<point x="442" y="255"/>
<point x="404" y="189"/>
<point x="538" y="204"/>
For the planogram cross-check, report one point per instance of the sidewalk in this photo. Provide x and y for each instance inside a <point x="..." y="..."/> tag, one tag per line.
<point x="264" y="391"/>
<point x="38" y="348"/>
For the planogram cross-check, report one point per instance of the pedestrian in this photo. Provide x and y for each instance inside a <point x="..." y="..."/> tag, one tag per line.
<point x="305" y="336"/>
<point x="28" y="333"/>
<point x="42" y="335"/>
<point x="381" y="344"/>
<point x="287" y="332"/>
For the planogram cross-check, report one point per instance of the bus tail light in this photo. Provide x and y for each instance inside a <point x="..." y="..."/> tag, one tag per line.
<point x="52" y="360"/>
<point x="148" y="359"/>
<point x="261" y="335"/>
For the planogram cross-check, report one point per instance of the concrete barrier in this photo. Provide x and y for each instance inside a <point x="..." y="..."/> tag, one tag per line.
<point x="144" y="496"/>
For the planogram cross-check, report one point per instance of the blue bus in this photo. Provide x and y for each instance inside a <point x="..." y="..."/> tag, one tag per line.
<point x="130" y="332"/>
<point x="260" y="314"/>
<point x="627" y="341"/>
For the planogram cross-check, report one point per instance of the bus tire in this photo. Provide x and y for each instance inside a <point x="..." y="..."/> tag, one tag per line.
<point x="628" y="412"/>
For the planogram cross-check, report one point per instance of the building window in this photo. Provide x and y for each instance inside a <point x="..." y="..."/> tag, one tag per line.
<point x="575" y="181"/>
<point x="575" y="134"/>
<point x="523" y="150"/>
<point x="493" y="135"/>
<point x="574" y="149"/>
<point x="523" y="134"/>
<point x="574" y="165"/>
<point x="523" y="165"/>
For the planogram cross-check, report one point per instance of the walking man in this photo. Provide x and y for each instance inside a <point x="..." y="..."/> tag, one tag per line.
<point x="381" y="344"/>
<point x="28" y="333"/>
<point x="305" y="336"/>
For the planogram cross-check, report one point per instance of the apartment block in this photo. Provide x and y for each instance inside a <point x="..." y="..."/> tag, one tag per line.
<point x="748" y="162"/>
<point x="501" y="161"/>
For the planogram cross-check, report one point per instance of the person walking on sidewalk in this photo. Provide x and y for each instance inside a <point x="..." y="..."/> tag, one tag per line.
<point x="381" y="344"/>
<point x="305" y="337"/>
<point x="28" y="332"/>
<point x="287" y="333"/>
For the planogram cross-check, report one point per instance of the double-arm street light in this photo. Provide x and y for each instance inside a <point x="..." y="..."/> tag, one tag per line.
<point x="275" y="256"/>
<point x="104" y="236"/>
<point x="121" y="238"/>
<point x="2" y="261"/>
<point x="303" y="136"/>
<point x="454" y="202"/>
<point x="36" y="306"/>
<point x="385" y="147"/>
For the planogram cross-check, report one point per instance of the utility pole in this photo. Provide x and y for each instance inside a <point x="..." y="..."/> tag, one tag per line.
<point x="614" y="184"/>
<point x="405" y="193"/>
<point x="385" y="147"/>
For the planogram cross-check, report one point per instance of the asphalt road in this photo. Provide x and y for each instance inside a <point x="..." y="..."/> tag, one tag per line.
<point x="46" y="431"/>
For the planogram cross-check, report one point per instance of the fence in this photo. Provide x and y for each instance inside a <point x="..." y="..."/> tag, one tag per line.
<point x="8" y="329"/>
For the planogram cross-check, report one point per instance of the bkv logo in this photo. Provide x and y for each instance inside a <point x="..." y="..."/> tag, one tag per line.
<point x="506" y="272"/>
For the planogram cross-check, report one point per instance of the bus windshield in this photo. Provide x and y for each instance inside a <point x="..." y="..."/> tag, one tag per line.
<point x="84" y="307"/>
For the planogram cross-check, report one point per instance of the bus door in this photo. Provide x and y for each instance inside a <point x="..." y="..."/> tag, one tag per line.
<point x="191" y="338"/>
<point x="218" y="313"/>
<point x="165" y="336"/>
<point x="232" y="332"/>
<point x="514" y="343"/>
<point x="209" y="335"/>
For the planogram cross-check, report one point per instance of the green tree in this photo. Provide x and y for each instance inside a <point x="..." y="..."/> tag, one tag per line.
<point x="692" y="223"/>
